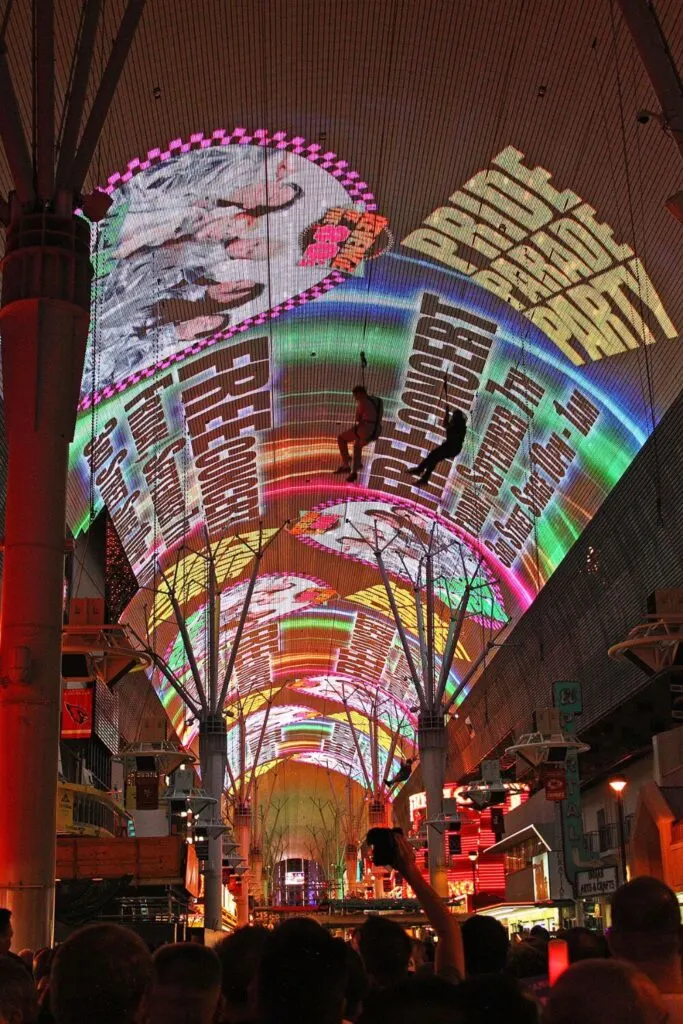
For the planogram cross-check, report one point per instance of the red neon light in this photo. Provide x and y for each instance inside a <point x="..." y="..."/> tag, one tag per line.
<point x="558" y="959"/>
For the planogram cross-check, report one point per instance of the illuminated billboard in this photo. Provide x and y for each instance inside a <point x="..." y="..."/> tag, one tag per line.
<point x="208" y="237"/>
<point x="514" y="301"/>
<point x="354" y="528"/>
<point x="297" y="731"/>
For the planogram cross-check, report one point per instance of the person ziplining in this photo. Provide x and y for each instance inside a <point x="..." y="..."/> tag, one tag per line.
<point x="403" y="774"/>
<point x="455" y="425"/>
<point x="366" y="429"/>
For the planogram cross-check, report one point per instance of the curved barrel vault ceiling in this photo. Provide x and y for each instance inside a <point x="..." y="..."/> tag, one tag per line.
<point x="527" y="255"/>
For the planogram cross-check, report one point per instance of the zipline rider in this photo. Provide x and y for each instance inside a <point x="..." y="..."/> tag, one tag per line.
<point x="366" y="429"/>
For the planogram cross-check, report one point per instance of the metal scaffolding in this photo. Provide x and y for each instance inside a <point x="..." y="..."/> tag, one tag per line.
<point x="205" y="698"/>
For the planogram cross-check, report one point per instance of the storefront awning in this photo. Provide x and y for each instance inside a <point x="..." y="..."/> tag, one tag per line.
<point x="544" y="833"/>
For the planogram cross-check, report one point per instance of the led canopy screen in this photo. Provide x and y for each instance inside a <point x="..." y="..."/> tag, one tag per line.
<point x="514" y="301"/>
<point x="206" y="237"/>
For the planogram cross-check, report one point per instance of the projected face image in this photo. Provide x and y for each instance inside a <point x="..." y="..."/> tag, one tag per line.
<point x="404" y="535"/>
<point x="195" y="245"/>
<point x="275" y="595"/>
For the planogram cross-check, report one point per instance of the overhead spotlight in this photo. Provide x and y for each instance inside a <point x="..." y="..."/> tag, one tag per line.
<point x="96" y="205"/>
<point x="645" y="116"/>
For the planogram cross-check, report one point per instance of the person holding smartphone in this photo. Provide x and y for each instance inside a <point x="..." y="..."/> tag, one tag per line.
<point x="449" y="960"/>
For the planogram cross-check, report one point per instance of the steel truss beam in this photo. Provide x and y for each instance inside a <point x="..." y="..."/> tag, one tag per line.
<point x="648" y="35"/>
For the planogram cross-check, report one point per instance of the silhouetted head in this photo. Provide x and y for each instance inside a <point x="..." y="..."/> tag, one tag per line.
<point x="100" y="975"/>
<point x="486" y="945"/>
<point x="302" y="976"/>
<point x="423" y="1000"/>
<point x="42" y="963"/>
<point x="494" y="997"/>
<point x="604" y="992"/>
<point x="646" y="922"/>
<point x="358" y="391"/>
<point x="584" y="944"/>
<point x="385" y="949"/>
<point x="186" y="985"/>
<point x="356" y="984"/>
<point x="6" y="932"/>
<point x="240" y="957"/>
<point x="529" y="959"/>
<point x="18" y="999"/>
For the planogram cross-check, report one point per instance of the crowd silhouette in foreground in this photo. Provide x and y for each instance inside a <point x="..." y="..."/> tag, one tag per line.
<point x="297" y="973"/>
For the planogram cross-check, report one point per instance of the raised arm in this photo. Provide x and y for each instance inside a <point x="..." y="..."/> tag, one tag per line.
<point x="446" y="418"/>
<point x="450" y="954"/>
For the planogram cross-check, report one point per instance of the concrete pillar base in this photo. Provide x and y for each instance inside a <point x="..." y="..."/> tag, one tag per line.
<point x="431" y="739"/>
<point x="212" y="755"/>
<point x="44" y="324"/>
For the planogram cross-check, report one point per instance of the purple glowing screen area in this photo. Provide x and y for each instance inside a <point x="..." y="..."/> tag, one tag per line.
<point x="218" y="373"/>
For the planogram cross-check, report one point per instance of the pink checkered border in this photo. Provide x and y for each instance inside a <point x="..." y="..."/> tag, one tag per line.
<point x="331" y="281"/>
<point x="410" y="506"/>
<point x="349" y="180"/>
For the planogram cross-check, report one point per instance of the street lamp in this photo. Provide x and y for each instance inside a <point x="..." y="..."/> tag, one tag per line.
<point x="618" y="784"/>
<point x="474" y="857"/>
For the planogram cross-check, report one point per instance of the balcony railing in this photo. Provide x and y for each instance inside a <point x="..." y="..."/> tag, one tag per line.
<point x="606" y="839"/>
<point x="87" y="811"/>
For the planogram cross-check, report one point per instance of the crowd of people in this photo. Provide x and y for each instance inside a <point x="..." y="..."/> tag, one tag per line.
<point x="298" y="973"/>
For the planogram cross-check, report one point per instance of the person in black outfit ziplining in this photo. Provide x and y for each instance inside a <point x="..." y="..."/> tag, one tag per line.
<point x="455" y="425"/>
<point x="403" y="774"/>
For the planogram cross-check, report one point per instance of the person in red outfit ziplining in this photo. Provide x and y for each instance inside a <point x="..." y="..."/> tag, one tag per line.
<point x="365" y="430"/>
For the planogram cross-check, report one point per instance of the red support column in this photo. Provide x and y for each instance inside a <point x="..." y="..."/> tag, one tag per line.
<point x="44" y="325"/>
<point x="243" y="836"/>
